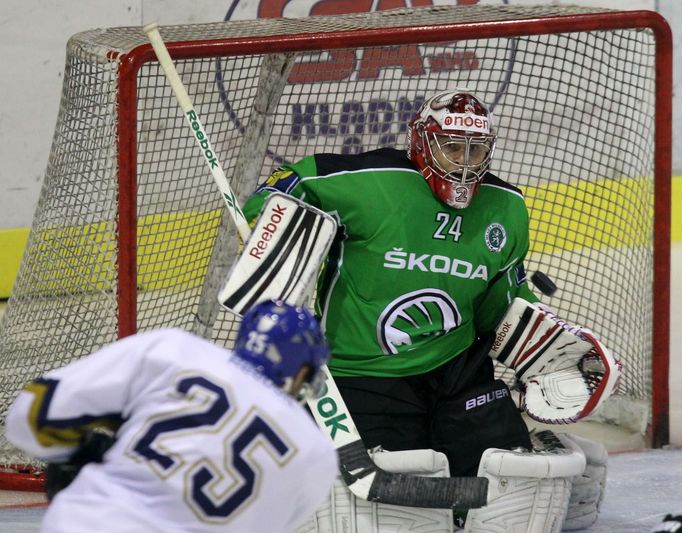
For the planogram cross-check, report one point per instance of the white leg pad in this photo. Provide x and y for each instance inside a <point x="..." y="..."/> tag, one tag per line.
<point x="588" y="488"/>
<point x="344" y="513"/>
<point x="528" y="491"/>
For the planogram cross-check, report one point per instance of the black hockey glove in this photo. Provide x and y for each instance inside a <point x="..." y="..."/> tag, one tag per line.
<point x="94" y="445"/>
<point x="670" y="524"/>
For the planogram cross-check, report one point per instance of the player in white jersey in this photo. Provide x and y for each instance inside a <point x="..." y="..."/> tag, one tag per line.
<point x="204" y="439"/>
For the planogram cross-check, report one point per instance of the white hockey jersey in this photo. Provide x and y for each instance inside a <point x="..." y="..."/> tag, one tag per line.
<point x="203" y="442"/>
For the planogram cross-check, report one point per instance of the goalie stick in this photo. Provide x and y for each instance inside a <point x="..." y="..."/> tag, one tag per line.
<point x="152" y="31"/>
<point x="363" y="478"/>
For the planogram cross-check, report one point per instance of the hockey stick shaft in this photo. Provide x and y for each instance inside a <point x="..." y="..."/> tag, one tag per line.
<point x="152" y="31"/>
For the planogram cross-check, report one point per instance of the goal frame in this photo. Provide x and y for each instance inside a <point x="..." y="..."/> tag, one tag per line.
<point x="132" y="62"/>
<point x="122" y="56"/>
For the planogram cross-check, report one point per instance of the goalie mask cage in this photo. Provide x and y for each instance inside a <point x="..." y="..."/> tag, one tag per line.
<point x="125" y="232"/>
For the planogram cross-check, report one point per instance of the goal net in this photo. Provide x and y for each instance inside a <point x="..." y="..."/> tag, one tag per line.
<point x="130" y="235"/>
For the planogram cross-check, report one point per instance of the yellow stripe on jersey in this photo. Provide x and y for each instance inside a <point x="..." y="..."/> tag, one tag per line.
<point x="50" y="435"/>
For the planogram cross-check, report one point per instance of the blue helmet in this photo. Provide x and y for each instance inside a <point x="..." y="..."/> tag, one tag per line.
<point x="278" y="339"/>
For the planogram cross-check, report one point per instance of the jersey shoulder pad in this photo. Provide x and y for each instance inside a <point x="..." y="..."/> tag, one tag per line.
<point x="374" y="159"/>
<point x="492" y="180"/>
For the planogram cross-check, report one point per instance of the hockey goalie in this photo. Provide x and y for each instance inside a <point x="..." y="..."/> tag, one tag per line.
<point x="424" y="256"/>
<point x="423" y="288"/>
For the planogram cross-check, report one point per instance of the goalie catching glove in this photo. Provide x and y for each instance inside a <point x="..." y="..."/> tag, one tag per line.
<point x="564" y="371"/>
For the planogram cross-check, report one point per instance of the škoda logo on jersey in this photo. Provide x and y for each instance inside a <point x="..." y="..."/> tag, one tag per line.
<point x="438" y="264"/>
<point x="414" y="317"/>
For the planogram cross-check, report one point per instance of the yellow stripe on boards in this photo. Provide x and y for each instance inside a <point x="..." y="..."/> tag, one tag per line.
<point x="12" y="244"/>
<point x="174" y="248"/>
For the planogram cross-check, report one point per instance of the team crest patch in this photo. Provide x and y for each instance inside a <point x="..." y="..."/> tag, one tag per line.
<point x="281" y="179"/>
<point x="495" y="237"/>
<point x="279" y="174"/>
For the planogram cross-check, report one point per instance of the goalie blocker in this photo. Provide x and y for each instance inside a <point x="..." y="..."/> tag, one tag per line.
<point x="565" y="371"/>
<point x="282" y="256"/>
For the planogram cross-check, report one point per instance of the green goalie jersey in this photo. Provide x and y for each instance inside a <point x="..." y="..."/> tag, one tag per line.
<point x="410" y="282"/>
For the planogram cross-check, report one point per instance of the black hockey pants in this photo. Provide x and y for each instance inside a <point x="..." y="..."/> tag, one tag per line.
<point x="458" y="409"/>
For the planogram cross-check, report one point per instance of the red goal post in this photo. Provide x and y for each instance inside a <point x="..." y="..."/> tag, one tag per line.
<point x="129" y="233"/>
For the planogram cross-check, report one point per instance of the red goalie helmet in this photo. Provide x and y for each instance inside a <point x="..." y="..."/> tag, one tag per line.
<point x="451" y="140"/>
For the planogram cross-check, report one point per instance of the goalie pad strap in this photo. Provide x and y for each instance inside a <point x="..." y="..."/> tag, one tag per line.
<point x="552" y="457"/>
<point x="558" y="463"/>
<point x="419" y="462"/>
